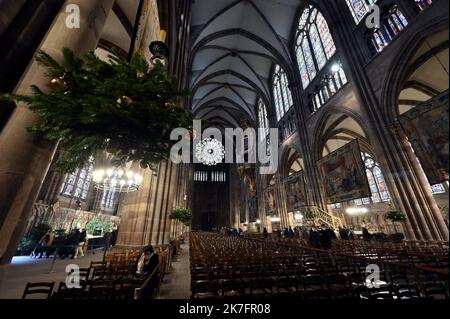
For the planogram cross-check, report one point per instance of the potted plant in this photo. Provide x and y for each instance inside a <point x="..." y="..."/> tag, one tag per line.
<point x="396" y="217"/>
<point x="183" y="215"/>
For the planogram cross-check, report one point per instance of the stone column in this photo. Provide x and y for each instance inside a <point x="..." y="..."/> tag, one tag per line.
<point x="145" y="214"/>
<point x="8" y="11"/>
<point x="26" y="158"/>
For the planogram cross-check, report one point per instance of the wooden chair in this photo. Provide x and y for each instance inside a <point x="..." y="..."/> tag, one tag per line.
<point x="204" y="289"/>
<point x="44" y="289"/>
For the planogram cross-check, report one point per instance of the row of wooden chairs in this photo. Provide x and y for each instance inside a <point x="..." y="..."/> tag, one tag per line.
<point x="223" y="264"/>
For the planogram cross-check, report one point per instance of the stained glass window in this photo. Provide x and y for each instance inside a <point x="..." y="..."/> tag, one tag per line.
<point x="327" y="39"/>
<point x="77" y="185"/>
<point x="423" y="4"/>
<point x="393" y="25"/>
<point x="331" y="84"/>
<point x="263" y="120"/>
<point x="397" y="21"/>
<point x="108" y="199"/>
<point x="359" y="8"/>
<point x="315" y="45"/>
<point x="281" y="92"/>
<point x="377" y="184"/>
<point x="379" y="41"/>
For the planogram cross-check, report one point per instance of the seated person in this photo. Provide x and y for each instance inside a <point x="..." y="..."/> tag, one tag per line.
<point x="146" y="265"/>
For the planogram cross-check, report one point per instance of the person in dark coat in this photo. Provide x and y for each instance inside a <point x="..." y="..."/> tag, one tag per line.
<point x="291" y="232"/>
<point x="314" y="238"/>
<point x="265" y="234"/>
<point x="344" y="233"/>
<point x="366" y="235"/>
<point x="115" y="232"/>
<point x="147" y="265"/>
<point x="326" y="238"/>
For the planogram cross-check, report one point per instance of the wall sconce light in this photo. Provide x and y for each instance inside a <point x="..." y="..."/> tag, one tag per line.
<point x="159" y="49"/>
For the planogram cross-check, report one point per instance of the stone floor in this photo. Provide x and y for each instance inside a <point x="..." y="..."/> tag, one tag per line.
<point x="27" y="269"/>
<point x="177" y="284"/>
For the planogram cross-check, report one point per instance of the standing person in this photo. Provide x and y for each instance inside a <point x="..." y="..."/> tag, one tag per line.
<point x="291" y="232"/>
<point x="44" y="244"/>
<point x="81" y="243"/>
<point x="326" y="238"/>
<point x="314" y="238"/>
<point x="366" y="234"/>
<point x="74" y="241"/>
<point x="265" y="234"/>
<point x="115" y="232"/>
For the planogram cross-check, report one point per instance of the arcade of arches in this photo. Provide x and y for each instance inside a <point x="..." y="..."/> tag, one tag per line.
<point x="336" y="90"/>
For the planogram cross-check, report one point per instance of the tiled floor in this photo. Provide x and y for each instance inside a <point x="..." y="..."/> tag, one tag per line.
<point x="177" y="284"/>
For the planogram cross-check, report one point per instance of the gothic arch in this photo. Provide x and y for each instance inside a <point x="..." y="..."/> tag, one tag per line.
<point x="290" y="155"/>
<point x="400" y="67"/>
<point x="339" y="123"/>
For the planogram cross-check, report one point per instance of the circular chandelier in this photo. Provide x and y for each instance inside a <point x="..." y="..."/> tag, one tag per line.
<point x="210" y="152"/>
<point x="117" y="180"/>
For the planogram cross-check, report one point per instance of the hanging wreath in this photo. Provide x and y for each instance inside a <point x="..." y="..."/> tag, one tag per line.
<point x="126" y="108"/>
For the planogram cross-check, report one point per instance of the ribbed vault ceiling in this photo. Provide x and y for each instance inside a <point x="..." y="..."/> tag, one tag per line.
<point x="234" y="44"/>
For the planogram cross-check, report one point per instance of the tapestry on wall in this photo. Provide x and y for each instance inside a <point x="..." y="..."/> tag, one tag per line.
<point x="253" y="209"/>
<point x="269" y="199"/>
<point x="427" y="127"/>
<point x="295" y="191"/>
<point x="343" y="174"/>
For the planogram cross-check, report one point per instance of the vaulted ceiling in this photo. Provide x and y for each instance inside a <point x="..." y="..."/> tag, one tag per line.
<point x="234" y="44"/>
<point x="118" y="30"/>
<point x="428" y="73"/>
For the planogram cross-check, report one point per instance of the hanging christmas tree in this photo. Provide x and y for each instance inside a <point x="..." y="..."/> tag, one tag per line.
<point x="126" y="108"/>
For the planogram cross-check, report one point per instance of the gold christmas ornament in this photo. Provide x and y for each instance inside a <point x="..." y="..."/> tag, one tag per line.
<point x="124" y="100"/>
<point x="170" y="105"/>
<point x="58" y="84"/>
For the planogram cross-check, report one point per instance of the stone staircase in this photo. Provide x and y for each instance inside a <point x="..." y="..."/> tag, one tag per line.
<point x="315" y="216"/>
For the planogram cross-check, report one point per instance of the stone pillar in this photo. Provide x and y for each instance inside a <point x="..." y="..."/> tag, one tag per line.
<point x="8" y="11"/>
<point x="432" y="224"/>
<point x="145" y="214"/>
<point x="25" y="158"/>
<point x="281" y="202"/>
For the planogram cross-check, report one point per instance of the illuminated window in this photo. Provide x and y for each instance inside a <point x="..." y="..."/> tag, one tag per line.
<point x="314" y="44"/>
<point x="379" y="40"/>
<point x="263" y="120"/>
<point x="200" y="176"/>
<point x="108" y="199"/>
<point x="329" y="86"/>
<point x="282" y="92"/>
<point x="394" y="24"/>
<point x="359" y="8"/>
<point x="77" y="185"/>
<point x="218" y="177"/>
<point x="377" y="184"/>
<point x="423" y="4"/>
